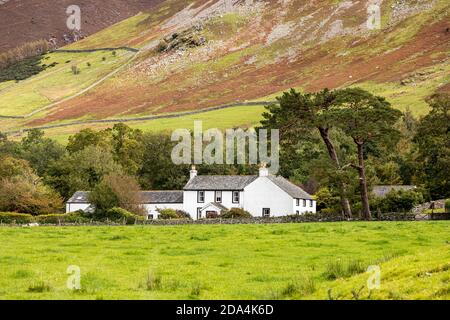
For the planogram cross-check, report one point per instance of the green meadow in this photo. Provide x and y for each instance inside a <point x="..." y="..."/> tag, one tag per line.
<point x="285" y="261"/>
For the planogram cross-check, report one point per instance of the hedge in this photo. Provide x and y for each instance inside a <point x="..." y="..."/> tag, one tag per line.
<point x="121" y="215"/>
<point x="235" y="213"/>
<point x="74" y="217"/>
<point x="15" y="218"/>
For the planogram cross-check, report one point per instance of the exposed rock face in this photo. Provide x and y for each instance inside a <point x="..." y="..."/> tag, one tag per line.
<point x="189" y="38"/>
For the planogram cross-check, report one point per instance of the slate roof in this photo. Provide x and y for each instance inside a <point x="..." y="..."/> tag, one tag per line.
<point x="217" y="205"/>
<point x="79" y="197"/>
<point x="174" y="196"/>
<point x="240" y="182"/>
<point x="219" y="182"/>
<point x="291" y="189"/>
<point x="146" y="197"/>
<point x="382" y="191"/>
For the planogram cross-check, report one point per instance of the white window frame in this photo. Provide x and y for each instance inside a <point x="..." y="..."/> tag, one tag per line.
<point x="238" y="196"/>
<point x="304" y="203"/>
<point x="264" y="210"/>
<point x="218" y="196"/>
<point x="200" y="194"/>
<point x="311" y="203"/>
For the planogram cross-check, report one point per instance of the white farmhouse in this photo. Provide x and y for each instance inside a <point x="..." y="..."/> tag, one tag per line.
<point x="152" y="201"/>
<point x="262" y="195"/>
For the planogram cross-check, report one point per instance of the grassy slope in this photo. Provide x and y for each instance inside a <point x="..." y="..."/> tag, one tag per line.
<point x="245" y="116"/>
<point x="226" y="262"/>
<point x="58" y="82"/>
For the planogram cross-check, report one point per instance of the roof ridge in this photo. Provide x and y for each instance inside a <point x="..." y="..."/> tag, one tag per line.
<point x="226" y="175"/>
<point x="161" y="191"/>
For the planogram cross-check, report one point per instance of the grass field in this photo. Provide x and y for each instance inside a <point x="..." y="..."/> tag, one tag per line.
<point x="240" y="116"/>
<point x="54" y="84"/>
<point x="289" y="261"/>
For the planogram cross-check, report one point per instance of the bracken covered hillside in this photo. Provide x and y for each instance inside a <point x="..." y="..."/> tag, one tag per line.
<point x="199" y="54"/>
<point x="22" y="21"/>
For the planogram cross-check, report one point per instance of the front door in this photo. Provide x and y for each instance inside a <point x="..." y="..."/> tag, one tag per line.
<point x="211" y="214"/>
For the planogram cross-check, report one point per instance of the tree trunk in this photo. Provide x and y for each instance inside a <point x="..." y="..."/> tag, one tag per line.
<point x="363" y="182"/>
<point x="324" y="133"/>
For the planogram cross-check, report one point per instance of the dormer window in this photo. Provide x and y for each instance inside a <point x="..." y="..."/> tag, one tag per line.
<point x="200" y="196"/>
<point x="235" y="196"/>
<point x="218" y="196"/>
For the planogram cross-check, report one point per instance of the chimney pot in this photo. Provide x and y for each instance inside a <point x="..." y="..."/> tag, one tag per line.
<point x="192" y="173"/>
<point x="263" y="171"/>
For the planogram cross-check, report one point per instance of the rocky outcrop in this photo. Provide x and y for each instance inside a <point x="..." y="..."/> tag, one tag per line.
<point x="189" y="38"/>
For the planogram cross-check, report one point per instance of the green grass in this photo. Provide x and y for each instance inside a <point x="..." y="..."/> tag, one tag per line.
<point x="411" y="96"/>
<point x="289" y="261"/>
<point x="430" y="211"/>
<point x="116" y="35"/>
<point x="58" y="82"/>
<point x="245" y="116"/>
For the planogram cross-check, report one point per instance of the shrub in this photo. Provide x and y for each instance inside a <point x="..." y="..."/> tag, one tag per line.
<point x="18" y="218"/>
<point x="75" y="70"/>
<point x="447" y="205"/>
<point x="398" y="201"/>
<point x="166" y="214"/>
<point x="326" y="201"/>
<point x="235" y="213"/>
<point x="121" y="215"/>
<point x="162" y="46"/>
<point x="183" y="215"/>
<point x="117" y="190"/>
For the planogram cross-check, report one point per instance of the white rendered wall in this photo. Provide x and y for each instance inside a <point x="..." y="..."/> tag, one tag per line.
<point x="72" y="207"/>
<point x="263" y="193"/>
<point x="303" y="209"/>
<point x="190" y="201"/>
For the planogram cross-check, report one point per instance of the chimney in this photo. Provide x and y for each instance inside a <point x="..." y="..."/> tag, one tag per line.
<point x="263" y="171"/>
<point x="192" y="173"/>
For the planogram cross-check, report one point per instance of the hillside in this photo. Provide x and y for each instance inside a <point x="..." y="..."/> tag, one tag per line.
<point x="201" y="54"/>
<point x="29" y="20"/>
